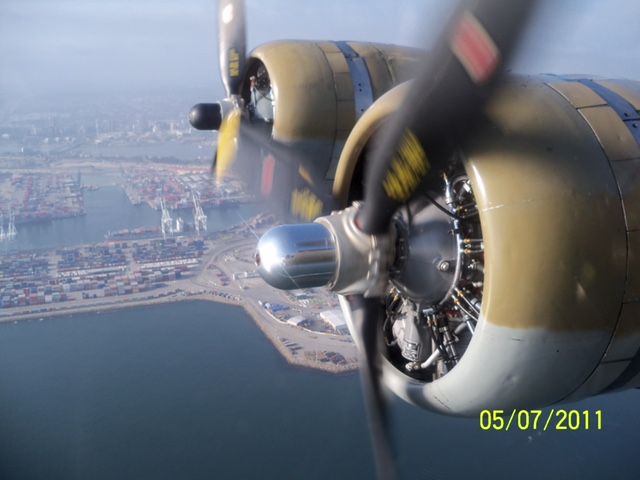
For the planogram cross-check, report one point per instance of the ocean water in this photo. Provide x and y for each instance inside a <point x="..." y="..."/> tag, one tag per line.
<point x="189" y="391"/>
<point x="195" y="391"/>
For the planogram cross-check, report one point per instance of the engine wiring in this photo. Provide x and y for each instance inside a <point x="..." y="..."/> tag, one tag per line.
<point x="427" y="340"/>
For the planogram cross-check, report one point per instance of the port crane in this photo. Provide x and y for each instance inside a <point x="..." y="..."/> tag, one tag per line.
<point x="11" y="229"/>
<point x="11" y="232"/>
<point x="199" y="217"/>
<point x="179" y="225"/>
<point x="166" y="222"/>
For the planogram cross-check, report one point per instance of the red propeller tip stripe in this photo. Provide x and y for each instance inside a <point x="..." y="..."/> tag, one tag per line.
<point x="475" y="49"/>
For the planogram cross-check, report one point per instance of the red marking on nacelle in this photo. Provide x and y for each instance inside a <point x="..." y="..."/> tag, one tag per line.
<point x="268" y="169"/>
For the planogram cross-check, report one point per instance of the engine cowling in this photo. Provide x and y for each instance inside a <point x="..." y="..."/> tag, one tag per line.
<point x="312" y="93"/>
<point x="555" y="169"/>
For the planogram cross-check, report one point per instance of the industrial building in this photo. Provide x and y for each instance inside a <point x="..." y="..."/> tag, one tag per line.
<point x="335" y="319"/>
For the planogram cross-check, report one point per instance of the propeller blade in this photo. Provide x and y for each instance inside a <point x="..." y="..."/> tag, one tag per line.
<point x="232" y="43"/>
<point x="442" y="105"/>
<point x="270" y="168"/>
<point x="214" y="161"/>
<point x="228" y="138"/>
<point x="366" y="317"/>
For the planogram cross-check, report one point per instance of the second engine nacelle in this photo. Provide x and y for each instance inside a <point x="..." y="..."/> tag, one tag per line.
<point x="312" y="93"/>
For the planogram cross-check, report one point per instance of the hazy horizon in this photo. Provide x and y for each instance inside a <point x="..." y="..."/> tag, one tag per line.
<point x="62" y="47"/>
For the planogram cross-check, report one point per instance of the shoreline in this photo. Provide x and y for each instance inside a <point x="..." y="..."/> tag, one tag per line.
<point x="291" y="358"/>
<point x="224" y="257"/>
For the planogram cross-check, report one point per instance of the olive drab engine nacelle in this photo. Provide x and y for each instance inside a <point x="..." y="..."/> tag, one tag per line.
<point x="307" y="96"/>
<point x="312" y="93"/>
<point x="524" y="290"/>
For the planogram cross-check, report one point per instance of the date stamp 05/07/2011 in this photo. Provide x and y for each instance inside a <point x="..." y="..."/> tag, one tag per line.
<point x="554" y="419"/>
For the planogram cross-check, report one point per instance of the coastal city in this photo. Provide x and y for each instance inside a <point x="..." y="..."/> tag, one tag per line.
<point x="178" y="253"/>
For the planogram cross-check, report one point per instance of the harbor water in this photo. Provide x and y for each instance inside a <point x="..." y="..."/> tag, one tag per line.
<point x="194" y="391"/>
<point x="109" y="210"/>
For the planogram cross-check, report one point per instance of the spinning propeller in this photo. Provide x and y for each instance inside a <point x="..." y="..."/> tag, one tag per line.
<point x="440" y="109"/>
<point x="226" y="115"/>
<point x="244" y="139"/>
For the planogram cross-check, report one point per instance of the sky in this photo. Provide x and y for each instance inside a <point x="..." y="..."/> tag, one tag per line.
<point x="66" y="46"/>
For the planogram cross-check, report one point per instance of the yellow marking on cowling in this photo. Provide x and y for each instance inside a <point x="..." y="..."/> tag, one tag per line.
<point x="227" y="143"/>
<point x="305" y="204"/>
<point x="234" y="63"/>
<point x="304" y="173"/>
<point x="408" y="167"/>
